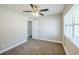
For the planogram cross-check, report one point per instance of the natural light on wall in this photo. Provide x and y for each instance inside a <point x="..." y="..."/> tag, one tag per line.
<point x="71" y="25"/>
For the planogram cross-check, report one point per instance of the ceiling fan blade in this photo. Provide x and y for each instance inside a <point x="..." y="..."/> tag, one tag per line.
<point x="44" y="10"/>
<point x="27" y="11"/>
<point x="31" y="5"/>
<point x="41" y="14"/>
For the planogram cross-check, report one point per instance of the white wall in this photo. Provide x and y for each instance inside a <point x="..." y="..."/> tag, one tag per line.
<point x="67" y="8"/>
<point x="29" y="28"/>
<point x="68" y="45"/>
<point x="13" y="28"/>
<point x="47" y="27"/>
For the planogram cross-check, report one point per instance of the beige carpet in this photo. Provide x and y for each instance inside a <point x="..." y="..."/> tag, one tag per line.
<point x="37" y="47"/>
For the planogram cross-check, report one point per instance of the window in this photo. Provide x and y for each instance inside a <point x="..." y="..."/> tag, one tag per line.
<point x="71" y="25"/>
<point x="76" y="28"/>
<point x="68" y="26"/>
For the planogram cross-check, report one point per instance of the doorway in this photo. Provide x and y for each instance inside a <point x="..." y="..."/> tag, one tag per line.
<point x="29" y="29"/>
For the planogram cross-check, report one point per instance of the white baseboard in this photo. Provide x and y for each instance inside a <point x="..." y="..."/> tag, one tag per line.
<point x="33" y="38"/>
<point x="56" y="42"/>
<point x="65" y="49"/>
<point x="12" y="46"/>
<point x="48" y="40"/>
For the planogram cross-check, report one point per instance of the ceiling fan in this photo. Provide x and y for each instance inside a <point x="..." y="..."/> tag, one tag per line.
<point x="35" y="11"/>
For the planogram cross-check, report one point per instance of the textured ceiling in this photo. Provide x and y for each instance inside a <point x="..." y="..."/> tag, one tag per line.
<point x="53" y="8"/>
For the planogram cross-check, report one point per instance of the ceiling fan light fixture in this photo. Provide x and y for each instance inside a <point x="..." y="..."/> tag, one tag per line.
<point x="35" y="14"/>
<point x="35" y="11"/>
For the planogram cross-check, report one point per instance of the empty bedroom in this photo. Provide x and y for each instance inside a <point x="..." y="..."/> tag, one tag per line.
<point x="39" y="29"/>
